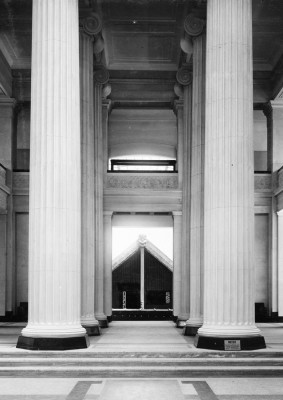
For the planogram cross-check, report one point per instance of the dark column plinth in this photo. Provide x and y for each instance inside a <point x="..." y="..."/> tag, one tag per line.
<point x="92" y="330"/>
<point x="103" y="323"/>
<point x="217" y="343"/>
<point x="190" y="330"/>
<point x="180" y="323"/>
<point x="70" y="343"/>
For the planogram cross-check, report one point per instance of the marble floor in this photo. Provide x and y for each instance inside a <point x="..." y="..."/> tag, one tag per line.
<point x="125" y="339"/>
<point x="141" y="389"/>
<point x="148" y="336"/>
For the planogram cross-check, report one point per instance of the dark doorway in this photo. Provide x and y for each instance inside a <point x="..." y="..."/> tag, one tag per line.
<point x="127" y="283"/>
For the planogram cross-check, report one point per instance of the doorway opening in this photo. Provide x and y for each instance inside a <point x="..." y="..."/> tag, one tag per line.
<point x="142" y="267"/>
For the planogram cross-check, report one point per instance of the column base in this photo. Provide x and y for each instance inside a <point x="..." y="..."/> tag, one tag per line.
<point x="230" y="343"/>
<point x="181" y="323"/>
<point x="190" y="330"/>
<point x="69" y="343"/>
<point x="93" y="330"/>
<point x="103" y="323"/>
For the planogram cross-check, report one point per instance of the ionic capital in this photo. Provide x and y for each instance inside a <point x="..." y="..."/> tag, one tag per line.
<point x="106" y="91"/>
<point x="184" y="76"/>
<point x="179" y="92"/>
<point x="91" y="25"/>
<point x="178" y="106"/>
<point x="193" y="25"/>
<point x="100" y="75"/>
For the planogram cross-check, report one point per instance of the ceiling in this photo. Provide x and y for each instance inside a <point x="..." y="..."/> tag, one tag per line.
<point x="142" y="41"/>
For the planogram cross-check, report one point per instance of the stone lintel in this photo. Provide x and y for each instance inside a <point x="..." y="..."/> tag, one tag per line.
<point x="68" y="343"/>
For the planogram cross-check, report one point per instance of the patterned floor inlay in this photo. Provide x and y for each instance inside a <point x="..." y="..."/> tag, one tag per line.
<point x="197" y="390"/>
<point x="86" y="390"/>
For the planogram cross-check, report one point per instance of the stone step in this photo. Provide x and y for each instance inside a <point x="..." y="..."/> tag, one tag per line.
<point x="136" y="362"/>
<point x="141" y="371"/>
<point x="85" y="354"/>
<point x="46" y="365"/>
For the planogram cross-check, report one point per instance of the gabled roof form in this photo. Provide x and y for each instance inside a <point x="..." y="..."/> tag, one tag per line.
<point x="149" y="246"/>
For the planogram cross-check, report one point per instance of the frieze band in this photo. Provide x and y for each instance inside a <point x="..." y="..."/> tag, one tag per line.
<point x="142" y="182"/>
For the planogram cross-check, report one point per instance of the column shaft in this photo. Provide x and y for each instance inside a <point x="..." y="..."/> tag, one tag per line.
<point x="280" y="264"/>
<point x="55" y="181"/>
<point x="142" y="278"/>
<point x="197" y="187"/>
<point x="98" y="190"/>
<point x="88" y="319"/>
<point x="179" y="107"/>
<point x="105" y="111"/>
<point x="185" y="256"/>
<point x="274" y="115"/>
<point x="177" y="262"/>
<point x="229" y="187"/>
<point x="7" y="113"/>
<point x="274" y="124"/>
<point x="108" y="263"/>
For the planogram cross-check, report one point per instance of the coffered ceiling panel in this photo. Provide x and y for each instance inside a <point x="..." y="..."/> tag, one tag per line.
<point x="143" y="35"/>
<point x="130" y="10"/>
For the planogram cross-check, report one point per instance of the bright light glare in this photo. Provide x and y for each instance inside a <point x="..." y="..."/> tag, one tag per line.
<point x="123" y="237"/>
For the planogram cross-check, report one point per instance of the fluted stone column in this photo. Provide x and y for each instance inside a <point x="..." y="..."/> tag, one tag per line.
<point x="229" y="203"/>
<point x="88" y="319"/>
<point x="280" y="264"/>
<point x="55" y="181"/>
<point x="105" y="116"/>
<point x="177" y="262"/>
<point x="108" y="263"/>
<point x="7" y="115"/>
<point x="197" y="181"/>
<point x="101" y="76"/>
<point x="274" y="115"/>
<point x="184" y="78"/>
<point x="178" y="108"/>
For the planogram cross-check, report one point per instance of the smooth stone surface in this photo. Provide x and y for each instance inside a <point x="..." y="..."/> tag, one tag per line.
<point x="70" y="343"/>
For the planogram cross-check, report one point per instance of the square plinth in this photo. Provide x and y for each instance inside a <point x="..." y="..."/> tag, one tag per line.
<point x="230" y="343"/>
<point x="70" y="343"/>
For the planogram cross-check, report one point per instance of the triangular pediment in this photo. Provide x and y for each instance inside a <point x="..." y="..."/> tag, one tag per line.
<point x="149" y="246"/>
